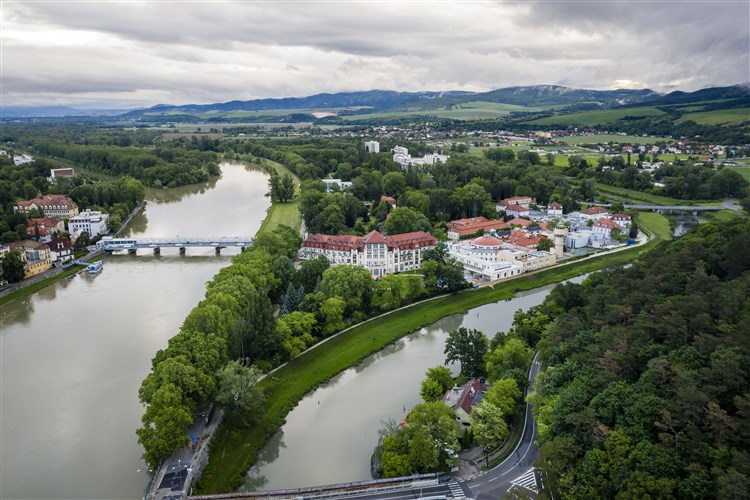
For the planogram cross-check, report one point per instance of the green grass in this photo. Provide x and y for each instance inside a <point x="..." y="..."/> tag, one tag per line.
<point x="464" y="111"/>
<point x="282" y="213"/>
<point x="656" y="224"/>
<point x="28" y="290"/>
<point x="232" y="453"/>
<point x="743" y="171"/>
<point x="655" y="199"/>
<point x="591" y="118"/>
<point x="606" y="138"/>
<point x="717" y="117"/>
<point x="721" y="215"/>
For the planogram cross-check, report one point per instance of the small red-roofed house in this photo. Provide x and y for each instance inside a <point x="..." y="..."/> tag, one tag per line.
<point x="603" y="228"/>
<point x="595" y="213"/>
<point x="622" y="220"/>
<point x="462" y="401"/>
<point x="554" y="209"/>
<point x="517" y="211"/>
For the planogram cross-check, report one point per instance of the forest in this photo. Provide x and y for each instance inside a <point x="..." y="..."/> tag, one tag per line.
<point x="644" y="392"/>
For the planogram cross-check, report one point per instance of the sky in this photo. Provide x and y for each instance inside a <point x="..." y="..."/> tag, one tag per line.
<point x="124" y="54"/>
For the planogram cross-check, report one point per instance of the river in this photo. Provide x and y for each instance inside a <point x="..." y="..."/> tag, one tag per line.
<point x="329" y="437"/>
<point x="73" y="355"/>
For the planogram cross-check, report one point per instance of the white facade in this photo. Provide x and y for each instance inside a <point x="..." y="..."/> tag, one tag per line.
<point x="491" y="259"/>
<point x="372" y="147"/>
<point x="94" y="223"/>
<point x="20" y="160"/>
<point x="336" y="182"/>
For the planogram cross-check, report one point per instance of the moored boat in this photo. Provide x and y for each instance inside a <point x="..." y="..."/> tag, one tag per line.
<point x="95" y="267"/>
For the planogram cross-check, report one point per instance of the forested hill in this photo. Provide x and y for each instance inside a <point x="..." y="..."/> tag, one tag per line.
<point x="645" y="392"/>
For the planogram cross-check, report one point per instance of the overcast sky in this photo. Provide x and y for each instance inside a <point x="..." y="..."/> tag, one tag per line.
<point x="128" y="54"/>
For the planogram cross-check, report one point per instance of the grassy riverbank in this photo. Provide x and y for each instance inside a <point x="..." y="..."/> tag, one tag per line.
<point x="35" y="287"/>
<point x="232" y="453"/>
<point x="282" y="213"/>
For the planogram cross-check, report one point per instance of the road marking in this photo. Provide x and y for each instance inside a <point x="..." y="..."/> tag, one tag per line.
<point x="456" y="490"/>
<point x="526" y="480"/>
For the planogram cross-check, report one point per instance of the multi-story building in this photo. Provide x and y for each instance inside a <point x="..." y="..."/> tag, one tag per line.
<point x="464" y="228"/>
<point x="36" y="256"/>
<point x="91" y="222"/>
<point x="524" y="201"/>
<point x="372" y="147"/>
<point x="554" y="209"/>
<point x="517" y="211"/>
<point x="595" y="213"/>
<point x="51" y="205"/>
<point x="462" y="401"/>
<point x="622" y="220"/>
<point x="342" y="185"/>
<point x="43" y="228"/>
<point x="603" y="228"/>
<point x="379" y="254"/>
<point x="60" y="249"/>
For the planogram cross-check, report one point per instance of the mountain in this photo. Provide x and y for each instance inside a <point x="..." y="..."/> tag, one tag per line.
<point x="38" y="111"/>
<point x="741" y="91"/>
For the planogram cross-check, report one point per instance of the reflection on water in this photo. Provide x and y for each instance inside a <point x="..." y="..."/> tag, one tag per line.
<point x="329" y="437"/>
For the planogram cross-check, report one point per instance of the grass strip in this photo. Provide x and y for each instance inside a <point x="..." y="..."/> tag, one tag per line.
<point x="234" y="451"/>
<point x="653" y="199"/>
<point x="35" y="287"/>
<point x="282" y="213"/>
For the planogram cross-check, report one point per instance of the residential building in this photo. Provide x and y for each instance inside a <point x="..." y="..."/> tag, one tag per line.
<point x="517" y="211"/>
<point x="579" y="238"/>
<point x="60" y="249"/>
<point x="464" y="228"/>
<point x="622" y="220"/>
<point x="51" y="205"/>
<point x="22" y="159"/>
<point x="342" y="185"/>
<point x="372" y="147"/>
<point x="402" y="157"/>
<point x="554" y="209"/>
<point x="462" y="401"/>
<point x="390" y="200"/>
<point x="67" y="173"/>
<point x="92" y="222"/>
<point x="379" y="254"/>
<point x="44" y="227"/>
<point x="603" y="228"/>
<point x="595" y="213"/>
<point x="36" y="256"/>
<point x="524" y="201"/>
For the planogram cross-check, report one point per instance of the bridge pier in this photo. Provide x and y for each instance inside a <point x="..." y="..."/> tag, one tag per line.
<point x="157" y="251"/>
<point x="218" y="250"/>
<point x="182" y="250"/>
<point x="131" y="251"/>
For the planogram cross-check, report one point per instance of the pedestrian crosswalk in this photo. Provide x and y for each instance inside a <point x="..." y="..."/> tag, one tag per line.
<point x="456" y="490"/>
<point x="526" y="480"/>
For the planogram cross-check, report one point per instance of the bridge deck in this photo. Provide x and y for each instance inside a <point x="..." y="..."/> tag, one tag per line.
<point x="108" y="243"/>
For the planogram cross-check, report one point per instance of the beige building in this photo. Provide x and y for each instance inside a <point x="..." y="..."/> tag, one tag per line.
<point x="51" y="205"/>
<point x="36" y="256"/>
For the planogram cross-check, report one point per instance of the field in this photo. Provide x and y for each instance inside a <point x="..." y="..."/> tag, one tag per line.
<point x="233" y="452"/>
<point x="717" y="117"/>
<point x="464" y="111"/>
<point x="592" y="118"/>
<point x="638" y="196"/>
<point x="606" y="138"/>
<point x="743" y="171"/>
<point x="282" y="213"/>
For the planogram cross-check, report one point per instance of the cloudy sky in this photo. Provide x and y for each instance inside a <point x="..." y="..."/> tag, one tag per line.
<point x="127" y="54"/>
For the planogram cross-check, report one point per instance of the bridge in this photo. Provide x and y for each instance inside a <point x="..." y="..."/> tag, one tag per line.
<point x="679" y="208"/>
<point x="109" y="244"/>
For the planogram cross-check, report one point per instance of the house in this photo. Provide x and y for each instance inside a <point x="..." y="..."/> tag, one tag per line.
<point x="44" y="228"/>
<point x="520" y="222"/>
<point x="517" y="211"/>
<point x="67" y="173"/>
<point x="390" y="200"/>
<point x="554" y="209"/>
<point x="463" y="228"/>
<point x="379" y="254"/>
<point x="603" y="228"/>
<point x="60" y="249"/>
<point x="92" y="222"/>
<point x="595" y="213"/>
<point x="524" y="201"/>
<point x="523" y="238"/>
<point x="35" y="255"/>
<point x="372" y="147"/>
<point x="342" y="185"/>
<point x="51" y="205"/>
<point x="622" y="220"/>
<point x="22" y="159"/>
<point x="462" y="401"/>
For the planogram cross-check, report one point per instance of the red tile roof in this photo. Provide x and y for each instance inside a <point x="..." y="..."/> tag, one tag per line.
<point x="347" y="243"/>
<point x="554" y="205"/>
<point x="374" y="237"/>
<point x="48" y="200"/>
<point x="519" y="222"/>
<point x="606" y="223"/>
<point x="473" y="393"/>
<point x="595" y="211"/>
<point x="487" y="241"/>
<point x="516" y="208"/>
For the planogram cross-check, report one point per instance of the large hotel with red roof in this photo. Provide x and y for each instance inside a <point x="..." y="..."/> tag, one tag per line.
<point x="379" y="254"/>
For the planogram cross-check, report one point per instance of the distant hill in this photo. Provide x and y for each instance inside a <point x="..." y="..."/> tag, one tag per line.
<point x="38" y="111"/>
<point x="703" y="95"/>
<point x="554" y="95"/>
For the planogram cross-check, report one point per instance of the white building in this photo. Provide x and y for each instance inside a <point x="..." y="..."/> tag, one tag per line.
<point x="372" y="147"/>
<point x="595" y="213"/>
<point x="402" y="157"/>
<point x="342" y="185"/>
<point x="92" y="222"/>
<point x="579" y="238"/>
<point x="622" y="220"/>
<point x="379" y="254"/>
<point x="603" y="228"/>
<point x="517" y="211"/>
<point x="554" y="209"/>
<point x="20" y="160"/>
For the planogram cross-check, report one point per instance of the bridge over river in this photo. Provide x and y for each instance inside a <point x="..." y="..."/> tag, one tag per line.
<point x="109" y="244"/>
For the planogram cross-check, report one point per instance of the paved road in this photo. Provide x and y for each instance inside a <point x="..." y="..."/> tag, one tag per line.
<point x="495" y="482"/>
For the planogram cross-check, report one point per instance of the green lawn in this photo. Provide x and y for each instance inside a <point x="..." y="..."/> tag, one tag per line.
<point x="591" y="118"/>
<point x="463" y="111"/>
<point x="640" y="197"/>
<point x="717" y="117"/>
<point x="743" y="171"/>
<point x="606" y="138"/>
<point x="721" y="215"/>
<point x="656" y="224"/>
<point x="282" y="213"/>
<point x="232" y="453"/>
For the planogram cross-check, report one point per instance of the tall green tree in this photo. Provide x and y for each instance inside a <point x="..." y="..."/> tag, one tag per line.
<point x="467" y="346"/>
<point x="13" y="267"/>
<point x="239" y="394"/>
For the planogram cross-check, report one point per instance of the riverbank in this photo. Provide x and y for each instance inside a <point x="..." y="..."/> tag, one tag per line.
<point x="233" y="453"/>
<point x="281" y="213"/>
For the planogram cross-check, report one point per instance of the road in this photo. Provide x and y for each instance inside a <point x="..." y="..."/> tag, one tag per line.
<point x="495" y="482"/>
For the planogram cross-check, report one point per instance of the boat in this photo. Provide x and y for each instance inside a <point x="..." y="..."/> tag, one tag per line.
<point x="95" y="267"/>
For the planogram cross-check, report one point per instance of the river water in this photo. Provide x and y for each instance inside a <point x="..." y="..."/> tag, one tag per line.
<point x="329" y="437"/>
<point x="73" y="355"/>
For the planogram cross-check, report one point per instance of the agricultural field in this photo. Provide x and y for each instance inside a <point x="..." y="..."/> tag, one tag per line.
<point x="717" y="117"/>
<point x="463" y="111"/>
<point x="607" y="138"/>
<point x="592" y="118"/>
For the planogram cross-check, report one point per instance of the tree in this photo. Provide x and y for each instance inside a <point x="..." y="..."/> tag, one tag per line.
<point x="310" y="272"/>
<point x="239" y="394"/>
<point x="351" y="283"/>
<point x="260" y="338"/>
<point x="468" y="347"/>
<point x="13" y="267"/>
<point x="442" y="375"/>
<point x="504" y="394"/>
<point x="394" y="183"/>
<point x="330" y="221"/>
<point x="292" y="299"/>
<point x="452" y="276"/>
<point x="165" y="422"/>
<point x="513" y="353"/>
<point x="545" y="244"/>
<point x="430" y="390"/>
<point x="297" y="330"/>
<point x="406" y="220"/>
<point x="286" y="188"/>
<point x="82" y="241"/>
<point x="633" y="231"/>
<point x="332" y="311"/>
<point x="490" y="428"/>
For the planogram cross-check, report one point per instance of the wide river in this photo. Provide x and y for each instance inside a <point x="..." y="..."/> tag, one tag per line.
<point x="73" y="355"/>
<point x="329" y="437"/>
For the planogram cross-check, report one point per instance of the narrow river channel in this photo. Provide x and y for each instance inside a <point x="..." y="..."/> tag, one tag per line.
<point x="329" y="437"/>
<point x="73" y="355"/>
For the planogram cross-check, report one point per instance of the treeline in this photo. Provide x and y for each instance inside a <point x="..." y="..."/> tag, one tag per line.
<point x="645" y="387"/>
<point x="258" y="313"/>
<point x="29" y="180"/>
